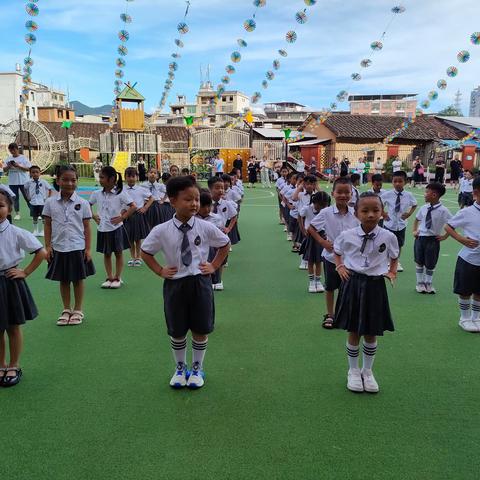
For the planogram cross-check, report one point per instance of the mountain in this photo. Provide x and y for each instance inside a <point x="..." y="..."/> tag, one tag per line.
<point x="82" y="109"/>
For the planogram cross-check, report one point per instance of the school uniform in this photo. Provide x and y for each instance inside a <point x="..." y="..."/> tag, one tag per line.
<point x="37" y="192"/>
<point x="292" y="217"/>
<point x="154" y="214"/>
<point x="465" y="196"/>
<point x="302" y="202"/>
<point x="355" y="197"/>
<point x="396" y="204"/>
<point x="467" y="271"/>
<point x="216" y="220"/>
<point x="16" y="301"/>
<point x="279" y="184"/>
<point x="226" y="210"/>
<point x="332" y="223"/>
<point x="110" y="237"/>
<point x="233" y="197"/>
<point x="136" y="226"/>
<point x="186" y="247"/>
<point x="362" y="305"/>
<point x="285" y="210"/>
<point x="427" y="247"/>
<point x="68" y="263"/>
<point x="310" y="249"/>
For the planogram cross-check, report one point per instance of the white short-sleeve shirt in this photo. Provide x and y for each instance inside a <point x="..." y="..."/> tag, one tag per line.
<point x="38" y="195"/>
<point x="7" y="190"/>
<point x="157" y="190"/>
<point x="466" y="186"/>
<point x="333" y="223"/>
<point x="440" y="216"/>
<point x="15" y="175"/>
<point x="213" y="218"/>
<point x="167" y="238"/>
<point x="233" y="195"/>
<point x="374" y="260"/>
<point x="396" y="165"/>
<point x="300" y="167"/>
<point x="225" y="209"/>
<point x="14" y="242"/>
<point x="308" y="213"/>
<point x="280" y="183"/>
<point x="110" y="205"/>
<point x="407" y="201"/>
<point x="68" y="231"/>
<point x="219" y="165"/>
<point x="468" y="219"/>
<point x="140" y="195"/>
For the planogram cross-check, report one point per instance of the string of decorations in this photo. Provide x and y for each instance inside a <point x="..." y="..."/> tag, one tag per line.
<point x="460" y="143"/>
<point x="122" y="50"/>
<point x="182" y="29"/>
<point x="30" y="38"/>
<point x="376" y="46"/>
<point x="452" y="71"/>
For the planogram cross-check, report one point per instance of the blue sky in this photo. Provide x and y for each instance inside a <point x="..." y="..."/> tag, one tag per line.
<point x="77" y="44"/>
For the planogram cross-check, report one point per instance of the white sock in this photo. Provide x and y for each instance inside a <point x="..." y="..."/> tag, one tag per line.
<point x="475" y="310"/>
<point x="317" y="279"/>
<point x="420" y="271"/>
<point x="311" y="278"/>
<point x="198" y="351"/>
<point x="35" y="226"/>
<point x="369" y="351"/>
<point x="179" y="349"/>
<point x="464" y="305"/>
<point x="428" y="276"/>
<point x="352" y="355"/>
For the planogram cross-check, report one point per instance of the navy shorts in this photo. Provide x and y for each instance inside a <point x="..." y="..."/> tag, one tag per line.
<point x="427" y="251"/>
<point x="400" y="234"/>
<point x="466" y="281"/>
<point x="36" y="210"/>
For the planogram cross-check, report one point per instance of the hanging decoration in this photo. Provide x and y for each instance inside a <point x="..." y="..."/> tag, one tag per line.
<point x="454" y="146"/>
<point x="182" y="29"/>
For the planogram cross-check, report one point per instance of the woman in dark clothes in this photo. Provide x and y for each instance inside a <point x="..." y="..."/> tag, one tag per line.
<point x="455" y="171"/>
<point x="142" y="170"/>
<point x="252" y="172"/>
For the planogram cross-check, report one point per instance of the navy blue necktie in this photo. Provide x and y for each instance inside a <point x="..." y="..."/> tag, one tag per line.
<point x="397" y="203"/>
<point x="186" y="250"/>
<point x="428" y="218"/>
<point x="37" y="187"/>
<point x="366" y="238"/>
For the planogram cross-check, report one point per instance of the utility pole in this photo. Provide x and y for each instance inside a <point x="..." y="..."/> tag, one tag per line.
<point x="458" y="102"/>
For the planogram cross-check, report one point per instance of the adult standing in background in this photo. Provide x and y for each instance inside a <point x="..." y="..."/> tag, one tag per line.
<point x="455" y="171"/>
<point x="361" y="169"/>
<point x="219" y="165"/>
<point x="378" y="166"/>
<point x="252" y="172"/>
<point x="238" y="164"/>
<point x="344" y="166"/>
<point x="418" y="172"/>
<point x="300" y="166"/>
<point x="142" y="170"/>
<point x="440" y="170"/>
<point x="264" y="173"/>
<point x="397" y="165"/>
<point x="17" y="166"/>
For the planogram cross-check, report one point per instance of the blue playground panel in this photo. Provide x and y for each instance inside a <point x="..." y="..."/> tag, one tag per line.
<point x="85" y="192"/>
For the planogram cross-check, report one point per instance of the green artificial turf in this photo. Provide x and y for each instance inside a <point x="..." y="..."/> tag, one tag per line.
<point x="94" y="402"/>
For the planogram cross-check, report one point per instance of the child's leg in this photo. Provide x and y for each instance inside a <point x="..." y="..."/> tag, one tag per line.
<point x="133" y="251"/>
<point x="199" y="348"/>
<point x="330" y="301"/>
<point x="107" y="261"/>
<point x="3" y="358"/>
<point x="78" y="291"/>
<point x="311" y="271"/>
<point x="476" y="308"/>
<point x="369" y="351"/>
<point x="15" y="340"/>
<point x="118" y="264"/>
<point x="179" y="350"/>
<point x="464" y="304"/>
<point x="65" y="294"/>
<point x="138" y="249"/>
<point x="420" y="272"/>
<point x="318" y="271"/>
<point x="35" y="223"/>
<point x="353" y="350"/>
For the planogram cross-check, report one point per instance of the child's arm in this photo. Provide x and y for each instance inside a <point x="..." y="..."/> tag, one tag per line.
<point x="301" y="224"/>
<point x="297" y="191"/>
<point x="341" y="268"/>
<point x="88" y="239"/>
<point x="415" y="227"/>
<point x="319" y="239"/>
<point x="392" y="270"/>
<point x="96" y="218"/>
<point x="408" y="214"/>
<point x="147" y="205"/>
<point x="17" y="273"/>
<point x="155" y="267"/>
<point x="124" y="214"/>
<point x="466" y="241"/>
<point x="233" y="222"/>
<point x="48" y="237"/>
<point x="216" y="263"/>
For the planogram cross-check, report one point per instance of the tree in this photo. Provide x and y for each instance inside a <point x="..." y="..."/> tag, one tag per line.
<point x="450" y="111"/>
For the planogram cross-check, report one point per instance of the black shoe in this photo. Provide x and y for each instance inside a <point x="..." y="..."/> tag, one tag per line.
<point x="12" y="381"/>
<point x="4" y="370"/>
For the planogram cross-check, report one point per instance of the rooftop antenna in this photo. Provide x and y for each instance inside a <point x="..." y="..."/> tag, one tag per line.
<point x="201" y="76"/>
<point x="458" y="102"/>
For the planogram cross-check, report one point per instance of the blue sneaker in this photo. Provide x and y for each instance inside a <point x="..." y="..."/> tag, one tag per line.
<point x="196" y="378"/>
<point x="179" y="379"/>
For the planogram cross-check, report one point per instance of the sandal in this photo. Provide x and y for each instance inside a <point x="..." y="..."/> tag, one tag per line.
<point x="3" y="371"/>
<point x="327" y="322"/>
<point x="12" y="381"/>
<point x="76" y="318"/>
<point x="64" y="318"/>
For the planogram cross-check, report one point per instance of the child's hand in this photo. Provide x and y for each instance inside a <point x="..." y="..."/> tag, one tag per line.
<point x="15" y="274"/>
<point x="49" y="253"/>
<point x="386" y="217"/>
<point x="168" y="272"/>
<point x="441" y="238"/>
<point x="142" y="210"/>
<point x="416" y="233"/>
<point x="343" y="273"/>
<point x="96" y="219"/>
<point x="470" y="242"/>
<point x="405" y="216"/>
<point x="392" y="277"/>
<point x="116" y="220"/>
<point x="329" y="247"/>
<point x="207" y="268"/>
<point x="88" y="256"/>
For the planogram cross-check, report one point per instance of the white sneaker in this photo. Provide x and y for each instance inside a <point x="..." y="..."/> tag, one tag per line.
<point x="303" y="265"/>
<point x="116" y="283"/>
<point x="106" y="284"/>
<point x="477" y="325"/>
<point x="354" y="383"/>
<point x="218" y="286"/>
<point x="289" y="237"/>
<point x="41" y="233"/>
<point x="468" y="326"/>
<point x="17" y="217"/>
<point x="137" y="263"/>
<point x="179" y="379"/>
<point x="197" y="377"/>
<point x="131" y="263"/>
<point x="312" y="288"/>
<point x="399" y="268"/>
<point x="420" y="288"/>
<point x="430" y="289"/>
<point x="369" y="383"/>
<point x="319" y="286"/>
<point x="285" y="229"/>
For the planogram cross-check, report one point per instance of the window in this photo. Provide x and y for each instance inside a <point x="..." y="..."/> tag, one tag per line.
<point x="33" y="95"/>
<point x="33" y="111"/>
<point x="68" y="115"/>
<point x="60" y="113"/>
<point x="27" y="111"/>
<point x="231" y="99"/>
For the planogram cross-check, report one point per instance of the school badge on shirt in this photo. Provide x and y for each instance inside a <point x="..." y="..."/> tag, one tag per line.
<point x="198" y="241"/>
<point x="77" y="207"/>
<point x="382" y="248"/>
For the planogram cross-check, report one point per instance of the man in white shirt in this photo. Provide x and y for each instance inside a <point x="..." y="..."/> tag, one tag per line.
<point x="396" y="165"/>
<point x="300" y="166"/>
<point x="219" y="164"/>
<point x="17" y="167"/>
<point x="361" y="169"/>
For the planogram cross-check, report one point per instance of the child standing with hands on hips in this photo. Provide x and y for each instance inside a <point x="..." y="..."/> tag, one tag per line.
<point x="68" y="242"/>
<point x="361" y="257"/>
<point x="16" y="302"/>
<point x="37" y="191"/>
<point x="114" y="206"/>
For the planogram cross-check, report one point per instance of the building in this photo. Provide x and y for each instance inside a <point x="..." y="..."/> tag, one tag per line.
<point x="54" y="114"/>
<point x="400" y="105"/>
<point x="282" y="115"/>
<point x="475" y="102"/>
<point x="40" y="96"/>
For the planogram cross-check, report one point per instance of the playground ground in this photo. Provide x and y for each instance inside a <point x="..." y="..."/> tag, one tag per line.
<point x="94" y="402"/>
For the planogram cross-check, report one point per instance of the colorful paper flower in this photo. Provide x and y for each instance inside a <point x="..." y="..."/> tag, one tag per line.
<point x="452" y="71"/>
<point x="270" y="75"/>
<point x="256" y="97"/>
<point x="176" y="55"/>
<point x="30" y="38"/>
<point x="356" y="77"/>
<point x="265" y="84"/>
<point x="220" y="89"/>
<point x="28" y="61"/>
<point x="433" y="95"/>
<point x="173" y="67"/>
<point x="123" y="35"/>
<point x="342" y="95"/>
<point x="122" y="50"/>
<point x="225" y="79"/>
<point x="32" y="9"/>
<point x="250" y="25"/>
<point x="475" y="38"/>
<point x="425" y="104"/>
<point x="376" y="46"/>
<point x="333" y="106"/>
<point x="31" y="26"/>
<point x="365" y="63"/>
<point x="182" y="28"/>
<point x="283" y="53"/>
<point x="442" y="84"/>
<point x="398" y="9"/>
<point x="179" y="43"/>
<point x="235" y="57"/>
<point x="27" y="70"/>
<point x="119" y="73"/>
<point x="171" y="75"/>
<point x="291" y="36"/>
<point x="242" y="43"/>
<point x="301" y="17"/>
<point x="120" y="62"/>
<point x="124" y="17"/>
<point x="116" y="91"/>
<point x="310" y="3"/>
<point x="117" y="83"/>
<point x="259" y="3"/>
<point x="26" y="78"/>
<point x="463" y="56"/>
<point x="230" y="69"/>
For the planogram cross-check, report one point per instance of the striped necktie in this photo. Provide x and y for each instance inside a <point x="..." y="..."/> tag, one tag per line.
<point x="186" y="250"/>
<point x="397" y="203"/>
<point x="37" y="187"/>
<point x="215" y="207"/>
<point x="428" y="218"/>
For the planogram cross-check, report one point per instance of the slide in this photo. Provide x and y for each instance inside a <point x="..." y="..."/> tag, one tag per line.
<point x="121" y="160"/>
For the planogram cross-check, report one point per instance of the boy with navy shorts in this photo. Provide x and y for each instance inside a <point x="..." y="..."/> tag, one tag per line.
<point x="427" y="230"/>
<point x="467" y="272"/>
<point x="37" y="191"/>
<point x="185" y="242"/>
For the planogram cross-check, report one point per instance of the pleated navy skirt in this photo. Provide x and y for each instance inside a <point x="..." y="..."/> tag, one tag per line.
<point x="166" y="212"/>
<point x="136" y="228"/>
<point x="234" y="235"/>
<point x="111" y="242"/>
<point x="311" y="250"/>
<point x="153" y="215"/>
<point x="362" y="306"/>
<point x="69" y="267"/>
<point x="16" y="303"/>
